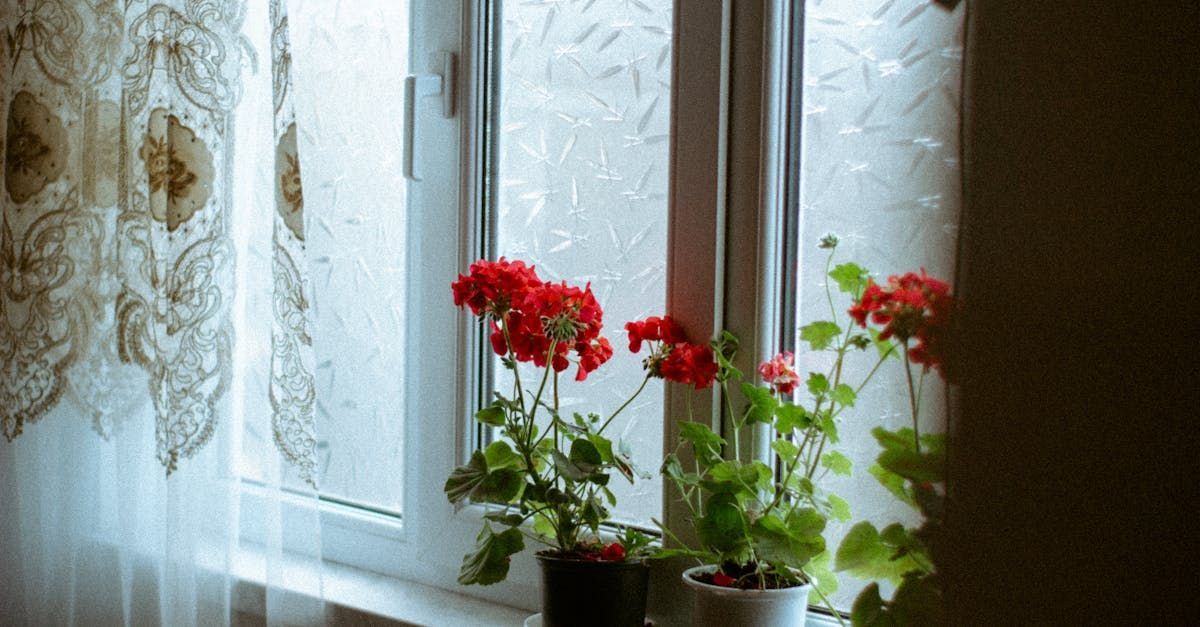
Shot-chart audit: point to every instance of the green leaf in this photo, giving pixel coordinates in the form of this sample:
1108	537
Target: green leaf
744	480
917	601
505	518
724	349
489	562
864	554
603	446
839	508
568	469
933	442
706	444
542	526
464	479
868	610
851	278
820	334
491	415
723	526
843	395
499	486
829	427
482	484
894	535
786	449
706	557
672	468
762	403
913	466
585	455
887	348
894	484
500	455
791	417
802	486
820	573
817	384
609	496
837	463
592	513
792	542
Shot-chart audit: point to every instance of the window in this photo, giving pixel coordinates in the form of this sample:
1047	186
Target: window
877	145
564	130
582	113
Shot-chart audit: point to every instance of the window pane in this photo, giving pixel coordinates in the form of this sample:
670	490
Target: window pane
879	168
583	117
349	145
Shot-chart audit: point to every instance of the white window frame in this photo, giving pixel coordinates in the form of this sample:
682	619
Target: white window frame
727	167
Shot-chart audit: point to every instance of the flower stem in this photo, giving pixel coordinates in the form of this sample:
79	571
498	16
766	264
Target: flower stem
625	404
512	354
912	398
828	605
828	294
737	425
541	388
879	363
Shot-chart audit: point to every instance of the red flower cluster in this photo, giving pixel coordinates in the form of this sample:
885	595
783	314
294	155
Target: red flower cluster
493	286
611	553
674	359
912	306
721	579
653	329
690	363
779	374
536	315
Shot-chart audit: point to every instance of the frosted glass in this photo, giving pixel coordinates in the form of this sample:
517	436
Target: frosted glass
584	103
346	70
880	169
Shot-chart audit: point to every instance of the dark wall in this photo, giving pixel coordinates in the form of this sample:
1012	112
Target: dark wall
1073	500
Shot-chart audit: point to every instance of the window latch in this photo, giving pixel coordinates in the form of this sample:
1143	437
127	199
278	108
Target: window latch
416	88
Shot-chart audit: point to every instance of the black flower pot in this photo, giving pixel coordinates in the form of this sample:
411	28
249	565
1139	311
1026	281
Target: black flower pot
583	593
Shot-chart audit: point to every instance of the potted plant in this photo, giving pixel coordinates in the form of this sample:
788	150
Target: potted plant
915	312
544	469
759	535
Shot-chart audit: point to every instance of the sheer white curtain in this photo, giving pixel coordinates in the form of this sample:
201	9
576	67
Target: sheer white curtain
154	318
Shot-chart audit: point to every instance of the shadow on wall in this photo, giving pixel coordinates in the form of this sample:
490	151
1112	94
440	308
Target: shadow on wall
1078	255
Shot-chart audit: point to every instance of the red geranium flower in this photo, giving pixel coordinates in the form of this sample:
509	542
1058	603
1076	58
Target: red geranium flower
689	363
592	356
652	329
779	374
721	579
911	307
494	286
673	357
613	553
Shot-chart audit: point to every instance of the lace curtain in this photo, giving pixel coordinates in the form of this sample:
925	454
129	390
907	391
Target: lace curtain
150	154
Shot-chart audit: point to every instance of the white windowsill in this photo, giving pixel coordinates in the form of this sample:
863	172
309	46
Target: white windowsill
404	602
345	587
411	602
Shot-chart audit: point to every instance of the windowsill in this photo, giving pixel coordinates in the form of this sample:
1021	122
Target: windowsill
353	593
347	589
410	602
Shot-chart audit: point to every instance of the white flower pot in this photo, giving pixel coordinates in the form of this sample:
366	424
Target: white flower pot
719	606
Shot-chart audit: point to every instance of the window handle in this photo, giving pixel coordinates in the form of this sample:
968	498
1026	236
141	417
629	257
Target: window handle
416	88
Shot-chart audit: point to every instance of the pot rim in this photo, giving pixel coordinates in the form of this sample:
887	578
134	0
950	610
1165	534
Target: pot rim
555	560
749	595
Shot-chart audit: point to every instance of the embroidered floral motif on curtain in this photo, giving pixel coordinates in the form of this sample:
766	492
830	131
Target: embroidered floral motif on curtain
116	257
